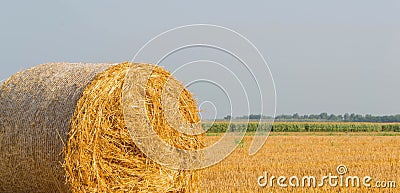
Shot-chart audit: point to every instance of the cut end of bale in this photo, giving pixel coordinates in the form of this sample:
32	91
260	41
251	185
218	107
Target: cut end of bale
100	153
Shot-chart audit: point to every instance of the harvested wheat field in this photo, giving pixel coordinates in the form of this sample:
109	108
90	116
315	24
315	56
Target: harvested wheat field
63	128
302	155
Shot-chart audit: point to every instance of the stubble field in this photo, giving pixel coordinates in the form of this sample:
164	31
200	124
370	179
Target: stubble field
295	155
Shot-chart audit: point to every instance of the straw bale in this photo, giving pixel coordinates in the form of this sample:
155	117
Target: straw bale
62	129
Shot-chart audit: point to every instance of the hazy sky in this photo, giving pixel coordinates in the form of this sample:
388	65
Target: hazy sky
325	56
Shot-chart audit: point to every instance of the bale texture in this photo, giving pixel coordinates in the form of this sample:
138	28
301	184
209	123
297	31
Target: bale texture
62	129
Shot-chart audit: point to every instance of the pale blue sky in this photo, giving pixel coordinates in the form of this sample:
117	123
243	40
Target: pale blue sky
325	56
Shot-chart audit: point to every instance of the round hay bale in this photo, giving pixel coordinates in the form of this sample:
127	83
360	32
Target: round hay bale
62	129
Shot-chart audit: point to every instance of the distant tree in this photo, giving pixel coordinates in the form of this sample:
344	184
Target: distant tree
352	117
346	117
228	117
323	116
254	116
332	117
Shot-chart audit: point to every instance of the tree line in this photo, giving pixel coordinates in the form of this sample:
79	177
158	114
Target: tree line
324	117
222	127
